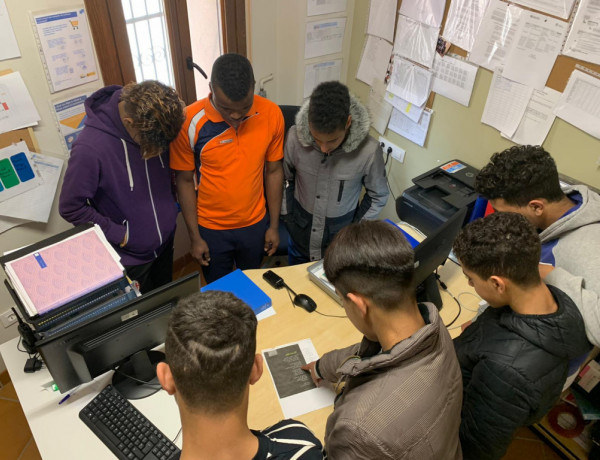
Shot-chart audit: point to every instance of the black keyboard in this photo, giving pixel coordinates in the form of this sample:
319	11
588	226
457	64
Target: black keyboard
124	429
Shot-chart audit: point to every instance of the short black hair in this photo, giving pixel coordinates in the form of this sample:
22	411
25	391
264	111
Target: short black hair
157	113
329	107
518	175
372	258
234	75
210	348
501	244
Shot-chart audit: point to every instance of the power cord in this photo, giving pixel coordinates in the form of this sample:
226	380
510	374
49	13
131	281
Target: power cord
389	170
150	384
445	288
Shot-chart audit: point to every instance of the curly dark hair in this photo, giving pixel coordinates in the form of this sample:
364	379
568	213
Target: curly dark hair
329	107
501	244
518	175
157	113
372	258
210	347
234	75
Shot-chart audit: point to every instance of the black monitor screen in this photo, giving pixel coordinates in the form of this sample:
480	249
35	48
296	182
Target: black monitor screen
433	252
120	339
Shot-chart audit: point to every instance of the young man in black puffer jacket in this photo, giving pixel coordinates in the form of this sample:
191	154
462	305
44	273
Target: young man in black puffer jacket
514	358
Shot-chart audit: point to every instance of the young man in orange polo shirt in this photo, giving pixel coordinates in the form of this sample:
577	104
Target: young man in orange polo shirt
219	157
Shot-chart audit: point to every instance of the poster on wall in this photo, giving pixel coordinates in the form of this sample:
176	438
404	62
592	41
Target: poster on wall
70	115
65	47
9	48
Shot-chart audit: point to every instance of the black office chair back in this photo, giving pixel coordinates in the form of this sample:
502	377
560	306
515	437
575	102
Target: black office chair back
289	116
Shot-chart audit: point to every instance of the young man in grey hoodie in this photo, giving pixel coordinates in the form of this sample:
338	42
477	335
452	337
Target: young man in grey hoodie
524	179
328	158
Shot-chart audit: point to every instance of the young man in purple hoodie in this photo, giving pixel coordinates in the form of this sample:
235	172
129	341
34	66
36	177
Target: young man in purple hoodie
118	176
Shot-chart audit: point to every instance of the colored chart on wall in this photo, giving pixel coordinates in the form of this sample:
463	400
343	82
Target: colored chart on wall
18	173
70	115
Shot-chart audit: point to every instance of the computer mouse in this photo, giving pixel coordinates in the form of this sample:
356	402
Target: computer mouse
303	301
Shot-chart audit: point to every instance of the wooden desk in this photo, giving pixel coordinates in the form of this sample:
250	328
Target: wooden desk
59	433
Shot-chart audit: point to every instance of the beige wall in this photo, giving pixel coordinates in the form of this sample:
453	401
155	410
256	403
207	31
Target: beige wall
32	71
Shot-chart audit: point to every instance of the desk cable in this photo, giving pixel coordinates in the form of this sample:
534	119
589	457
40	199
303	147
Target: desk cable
288	289
445	288
149	384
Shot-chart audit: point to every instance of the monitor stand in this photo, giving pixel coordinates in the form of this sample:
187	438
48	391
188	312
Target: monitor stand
428	291
142	367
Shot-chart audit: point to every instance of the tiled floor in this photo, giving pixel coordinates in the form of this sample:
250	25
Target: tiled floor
16	442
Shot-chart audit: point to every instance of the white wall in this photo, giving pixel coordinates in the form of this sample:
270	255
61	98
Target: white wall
32	71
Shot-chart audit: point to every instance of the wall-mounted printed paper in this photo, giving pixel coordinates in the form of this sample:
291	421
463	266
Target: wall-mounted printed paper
580	103
382	17
430	12
505	104
410	82
414	132
18	174
71	116
453	78
375	60
35	205
295	389
324	37
462	23
538	118
583	41
316	7
66	48
17	109
536	45
560	8
495	35
411	111
415	41
9	48
379	109
319	72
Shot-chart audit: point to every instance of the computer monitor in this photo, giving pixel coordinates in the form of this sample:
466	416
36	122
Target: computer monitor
433	252
122	339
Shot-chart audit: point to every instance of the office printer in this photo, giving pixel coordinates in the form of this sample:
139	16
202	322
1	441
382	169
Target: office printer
437	195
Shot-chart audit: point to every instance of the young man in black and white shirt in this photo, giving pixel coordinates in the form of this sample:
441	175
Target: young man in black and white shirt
211	362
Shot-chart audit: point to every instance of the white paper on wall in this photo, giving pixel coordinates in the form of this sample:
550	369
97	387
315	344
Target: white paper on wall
583	41
415	41
464	17
410	82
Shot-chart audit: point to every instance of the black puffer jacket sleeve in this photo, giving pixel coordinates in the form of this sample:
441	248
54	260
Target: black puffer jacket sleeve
496	402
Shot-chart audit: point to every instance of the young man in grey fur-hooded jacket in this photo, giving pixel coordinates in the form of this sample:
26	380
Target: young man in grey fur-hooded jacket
329	157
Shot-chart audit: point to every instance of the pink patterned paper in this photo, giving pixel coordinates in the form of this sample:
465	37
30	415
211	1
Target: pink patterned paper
74	268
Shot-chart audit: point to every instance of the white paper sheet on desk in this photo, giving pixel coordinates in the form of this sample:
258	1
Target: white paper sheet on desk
17	109
462	23
430	12
379	109
415	41
319	72
316	7
453	78
505	104
9	48
409	110
560	8
35	205
410	82
375	60
583	41
414	132
495	34
382	16
324	37
580	103
538	118
299	394
536	45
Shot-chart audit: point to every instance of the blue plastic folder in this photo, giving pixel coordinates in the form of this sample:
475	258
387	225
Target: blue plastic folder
413	242
243	288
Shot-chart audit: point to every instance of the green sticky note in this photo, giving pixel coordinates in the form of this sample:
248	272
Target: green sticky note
7	174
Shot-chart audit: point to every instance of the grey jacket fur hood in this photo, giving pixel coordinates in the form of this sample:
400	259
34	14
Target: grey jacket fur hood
359	129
